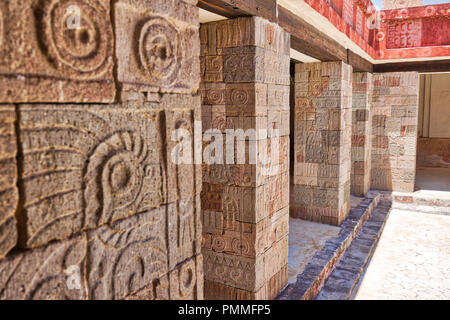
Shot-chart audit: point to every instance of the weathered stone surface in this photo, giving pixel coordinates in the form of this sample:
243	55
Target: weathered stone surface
218	291
184	233
245	92
245	273
127	256
361	133
157	46
233	270
46	57
186	281
56	271
132	257
8	179
322	159
181	165
394	125
84	166
102	201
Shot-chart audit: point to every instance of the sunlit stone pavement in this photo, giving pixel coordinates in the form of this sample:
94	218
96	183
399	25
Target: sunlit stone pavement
412	259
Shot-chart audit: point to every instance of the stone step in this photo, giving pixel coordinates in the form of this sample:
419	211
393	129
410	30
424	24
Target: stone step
320	267
343	282
437	202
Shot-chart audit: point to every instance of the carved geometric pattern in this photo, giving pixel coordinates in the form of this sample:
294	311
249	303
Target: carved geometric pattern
322	141
157	53
82	168
85	49
56	51
404	34
245	86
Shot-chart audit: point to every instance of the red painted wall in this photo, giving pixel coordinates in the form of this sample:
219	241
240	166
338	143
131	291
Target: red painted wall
415	32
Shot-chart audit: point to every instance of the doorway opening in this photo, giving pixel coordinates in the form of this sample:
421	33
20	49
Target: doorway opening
433	145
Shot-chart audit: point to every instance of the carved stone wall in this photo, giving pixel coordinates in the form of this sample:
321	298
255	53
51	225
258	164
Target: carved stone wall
323	125
92	202
398	4
245	85
395	108
361	133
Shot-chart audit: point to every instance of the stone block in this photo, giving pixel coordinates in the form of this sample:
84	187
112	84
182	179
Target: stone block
184	232
246	77
46	57
322	138
9	196
233	270
84	166
394	130
157	46
53	272
122	266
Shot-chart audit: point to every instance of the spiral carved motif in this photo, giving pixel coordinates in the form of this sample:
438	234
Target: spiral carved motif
240	246
239	96
218	244
215	96
159	51
114	178
78	37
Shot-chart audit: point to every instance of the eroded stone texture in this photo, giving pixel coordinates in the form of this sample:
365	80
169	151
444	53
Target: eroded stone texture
8	179
394	131
45	57
157	46
245	86
56	271
361	133
323	102
86	165
109	193
131	258
104	169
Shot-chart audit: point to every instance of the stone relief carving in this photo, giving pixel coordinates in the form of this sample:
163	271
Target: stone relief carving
9	195
89	164
85	49
159	50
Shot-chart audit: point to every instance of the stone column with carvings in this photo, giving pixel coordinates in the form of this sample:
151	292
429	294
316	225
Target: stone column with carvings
361	133
395	108
94	203
245	86
322	142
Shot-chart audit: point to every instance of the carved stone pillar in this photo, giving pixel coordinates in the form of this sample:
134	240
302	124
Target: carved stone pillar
323	102
361	133
395	108
245	86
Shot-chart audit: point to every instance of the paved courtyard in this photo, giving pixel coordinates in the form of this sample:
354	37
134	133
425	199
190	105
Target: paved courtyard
306	238
412	259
